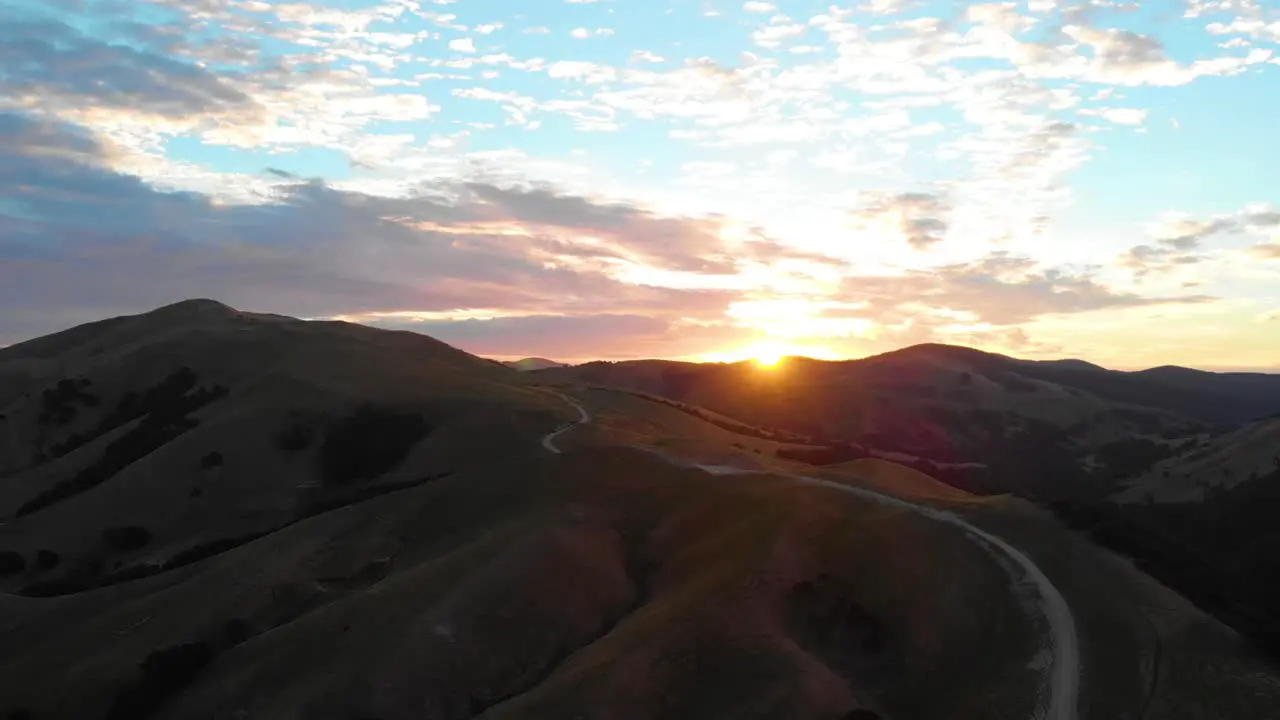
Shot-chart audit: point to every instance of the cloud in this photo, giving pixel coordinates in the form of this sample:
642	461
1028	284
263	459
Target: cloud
1146	259
52	64
584	33
1119	116
999	289
464	45
1266	251
918	218
755	6
75	236
1124	57
645	56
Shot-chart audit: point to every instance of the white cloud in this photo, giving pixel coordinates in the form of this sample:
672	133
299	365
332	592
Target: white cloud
645	56
466	45
584	33
756	6
1119	116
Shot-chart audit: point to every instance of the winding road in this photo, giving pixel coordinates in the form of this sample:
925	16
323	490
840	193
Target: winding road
1061	691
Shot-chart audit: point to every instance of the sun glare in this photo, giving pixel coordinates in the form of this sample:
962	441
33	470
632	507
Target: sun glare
767	355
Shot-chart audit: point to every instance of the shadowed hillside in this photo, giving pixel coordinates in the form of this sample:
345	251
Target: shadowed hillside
1044	429
216	514
196	426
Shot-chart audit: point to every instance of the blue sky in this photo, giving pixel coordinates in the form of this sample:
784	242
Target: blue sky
699	178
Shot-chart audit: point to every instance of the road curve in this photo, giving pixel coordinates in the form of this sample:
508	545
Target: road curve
584	417
1062	692
1061	696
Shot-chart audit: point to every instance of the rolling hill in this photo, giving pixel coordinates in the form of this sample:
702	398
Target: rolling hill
209	514
533	363
212	513
1043	429
126	443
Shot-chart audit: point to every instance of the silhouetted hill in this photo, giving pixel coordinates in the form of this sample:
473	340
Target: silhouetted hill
1044	429
206	513
196	423
213	513
533	363
1204	522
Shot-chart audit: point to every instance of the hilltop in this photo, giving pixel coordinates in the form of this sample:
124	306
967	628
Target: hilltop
129	442
534	363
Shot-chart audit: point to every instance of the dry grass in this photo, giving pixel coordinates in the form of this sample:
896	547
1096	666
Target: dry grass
603	582
1146	652
1224	461
280	372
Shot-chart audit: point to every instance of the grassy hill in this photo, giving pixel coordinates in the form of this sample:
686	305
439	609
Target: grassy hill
600	583
1203	521
1044	429
1207	465
533	363
129	442
206	513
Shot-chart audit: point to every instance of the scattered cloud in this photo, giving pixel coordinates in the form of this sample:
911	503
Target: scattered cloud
999	289
52	64
919	218
922	171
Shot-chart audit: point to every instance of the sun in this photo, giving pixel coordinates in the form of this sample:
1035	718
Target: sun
767	355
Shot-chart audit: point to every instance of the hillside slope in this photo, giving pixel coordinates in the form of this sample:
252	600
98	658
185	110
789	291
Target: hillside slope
1208	465
1045	429
128	442
533	363
600	583
215	514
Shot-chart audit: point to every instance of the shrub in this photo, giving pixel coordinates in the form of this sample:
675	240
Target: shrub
47	560
163	409
11	563
211	460
368	443
127	538
164	673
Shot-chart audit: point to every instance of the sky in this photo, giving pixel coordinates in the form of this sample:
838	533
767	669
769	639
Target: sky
700	179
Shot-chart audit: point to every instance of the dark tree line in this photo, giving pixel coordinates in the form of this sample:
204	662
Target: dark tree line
164	410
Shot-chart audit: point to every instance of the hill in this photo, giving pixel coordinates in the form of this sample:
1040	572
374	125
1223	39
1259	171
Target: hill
1044	429
533	363
197	499
218	514
130	442
600	583
1208	465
